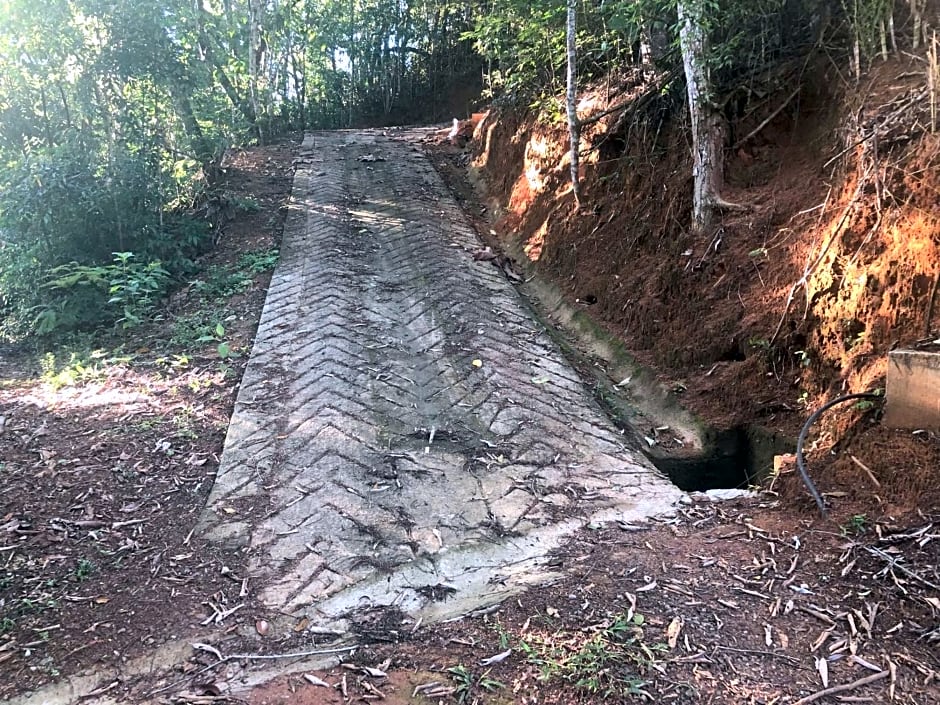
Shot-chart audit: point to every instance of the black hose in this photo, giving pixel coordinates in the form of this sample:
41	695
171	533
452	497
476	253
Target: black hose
800	463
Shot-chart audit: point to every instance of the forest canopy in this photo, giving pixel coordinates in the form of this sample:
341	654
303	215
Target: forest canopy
115	114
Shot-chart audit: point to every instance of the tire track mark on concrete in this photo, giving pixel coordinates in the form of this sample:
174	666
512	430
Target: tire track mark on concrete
403	419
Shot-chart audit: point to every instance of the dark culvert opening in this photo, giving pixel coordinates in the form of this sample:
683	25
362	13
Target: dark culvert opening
726	465
736	458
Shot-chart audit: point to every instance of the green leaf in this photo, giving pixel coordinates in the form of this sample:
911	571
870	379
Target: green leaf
219	330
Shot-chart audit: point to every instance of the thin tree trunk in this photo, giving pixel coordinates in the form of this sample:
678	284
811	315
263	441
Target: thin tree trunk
255	56
197	139
352	59
47	126
574	129
65	106
707	124
916	13
208	51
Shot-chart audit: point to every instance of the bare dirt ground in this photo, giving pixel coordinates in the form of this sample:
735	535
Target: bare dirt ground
106	459
722	604
756	602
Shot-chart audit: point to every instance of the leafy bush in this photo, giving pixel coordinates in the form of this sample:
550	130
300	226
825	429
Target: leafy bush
220	282
20	298
259	261
71	217
125	291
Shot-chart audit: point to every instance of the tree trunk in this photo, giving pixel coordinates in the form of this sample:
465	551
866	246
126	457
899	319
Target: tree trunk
574	129
203	148
917	15
255	56
707	123
352	60
206	41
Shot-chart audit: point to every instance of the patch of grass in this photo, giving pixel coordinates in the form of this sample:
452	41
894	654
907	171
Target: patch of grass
7	625
219	283
259	261
609	660
84	570
466	684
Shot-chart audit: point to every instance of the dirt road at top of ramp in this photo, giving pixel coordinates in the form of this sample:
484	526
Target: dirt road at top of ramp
407	438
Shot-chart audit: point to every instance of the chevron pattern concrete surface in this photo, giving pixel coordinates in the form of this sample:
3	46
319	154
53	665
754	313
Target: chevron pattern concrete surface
405	429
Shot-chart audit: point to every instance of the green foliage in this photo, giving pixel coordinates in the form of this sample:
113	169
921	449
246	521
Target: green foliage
524	42
245	205
62	217
200	328
135	288
466	684
84	569
79	366
220	282
128	288
6	625
259	261
21	301
868	23
195	329
869	404
610	662
856	525
101	150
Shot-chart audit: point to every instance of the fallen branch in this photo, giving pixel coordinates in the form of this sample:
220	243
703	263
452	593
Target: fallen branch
267	657
721	204
101	691
766	120
809	269
893	563
871	475
198	646
842	688
773	654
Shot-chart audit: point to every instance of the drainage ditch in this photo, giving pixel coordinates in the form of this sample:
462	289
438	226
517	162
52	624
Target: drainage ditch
739	457
734	458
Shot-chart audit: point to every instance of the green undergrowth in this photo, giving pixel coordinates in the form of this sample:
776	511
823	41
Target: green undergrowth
609	660
74	358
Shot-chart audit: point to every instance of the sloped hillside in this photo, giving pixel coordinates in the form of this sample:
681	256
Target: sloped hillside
786	304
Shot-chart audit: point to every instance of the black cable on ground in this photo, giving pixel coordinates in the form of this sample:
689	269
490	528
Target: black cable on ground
800	463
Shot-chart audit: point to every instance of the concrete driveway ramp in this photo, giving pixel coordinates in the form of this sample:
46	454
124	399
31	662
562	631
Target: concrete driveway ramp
406	435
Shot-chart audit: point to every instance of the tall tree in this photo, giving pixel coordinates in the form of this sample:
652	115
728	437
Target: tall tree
571	99
708	127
